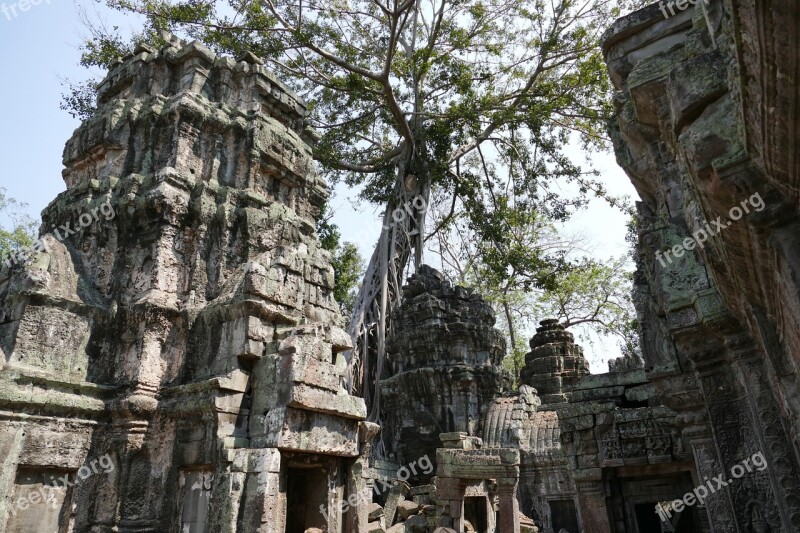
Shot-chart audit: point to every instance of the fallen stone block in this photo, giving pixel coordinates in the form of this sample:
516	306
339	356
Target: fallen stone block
407	508
396	495
416	524
374	512
375	527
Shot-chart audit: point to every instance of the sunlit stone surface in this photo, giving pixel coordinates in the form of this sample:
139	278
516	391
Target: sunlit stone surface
174	362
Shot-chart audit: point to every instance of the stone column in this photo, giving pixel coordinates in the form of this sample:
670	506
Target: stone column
228	492
592	499
782	475
264	504
357	518
509	506
735	433
457	514
335	495
10	445
449	502
721	516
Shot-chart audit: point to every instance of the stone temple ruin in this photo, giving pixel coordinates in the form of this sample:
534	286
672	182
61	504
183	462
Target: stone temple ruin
177	367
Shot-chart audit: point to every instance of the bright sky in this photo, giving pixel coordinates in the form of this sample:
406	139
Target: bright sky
39	48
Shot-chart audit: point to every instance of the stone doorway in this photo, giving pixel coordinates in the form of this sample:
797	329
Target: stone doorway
476	513
634	498
564	515
306	499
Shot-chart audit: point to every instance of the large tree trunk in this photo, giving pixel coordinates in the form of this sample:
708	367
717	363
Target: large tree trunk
380	292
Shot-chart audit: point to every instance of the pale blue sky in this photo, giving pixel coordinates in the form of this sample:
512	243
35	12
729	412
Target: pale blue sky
40	47
37	49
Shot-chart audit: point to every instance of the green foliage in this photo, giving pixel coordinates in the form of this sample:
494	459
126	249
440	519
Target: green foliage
102	49
592	292
79	100
348	266
632	231
476	98
461	84
583	293
590	297
328	232
19	229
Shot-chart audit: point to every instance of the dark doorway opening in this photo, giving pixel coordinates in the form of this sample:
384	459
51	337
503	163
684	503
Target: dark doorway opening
475	513
306	499
647	518
564	515
689	521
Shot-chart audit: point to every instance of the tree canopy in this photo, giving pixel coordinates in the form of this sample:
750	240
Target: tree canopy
473	100
577	288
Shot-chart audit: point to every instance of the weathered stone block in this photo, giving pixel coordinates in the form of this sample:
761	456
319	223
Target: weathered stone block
406	509
374	512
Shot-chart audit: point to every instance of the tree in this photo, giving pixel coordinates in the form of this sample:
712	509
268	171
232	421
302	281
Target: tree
597	294
409	96
349	268
19	232
576	289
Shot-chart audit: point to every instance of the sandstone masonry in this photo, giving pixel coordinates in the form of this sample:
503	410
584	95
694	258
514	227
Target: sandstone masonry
193	338
191	345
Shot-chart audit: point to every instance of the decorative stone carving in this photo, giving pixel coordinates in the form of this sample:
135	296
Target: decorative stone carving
188	331
445	366
555	363
186	338
703	112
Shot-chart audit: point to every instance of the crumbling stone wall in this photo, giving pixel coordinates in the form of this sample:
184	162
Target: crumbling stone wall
191	336
173	354
706	119
587	440
582	455
445	357
555	363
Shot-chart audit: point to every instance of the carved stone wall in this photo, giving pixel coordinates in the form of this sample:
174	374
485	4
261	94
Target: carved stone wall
445	358
173	354
595	446
706	127
186	331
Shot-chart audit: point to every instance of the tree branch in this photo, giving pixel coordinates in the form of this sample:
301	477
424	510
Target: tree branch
355	69
371	166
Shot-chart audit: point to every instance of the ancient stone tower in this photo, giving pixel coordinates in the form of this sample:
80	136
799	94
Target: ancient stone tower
184	348
445	358
555	363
